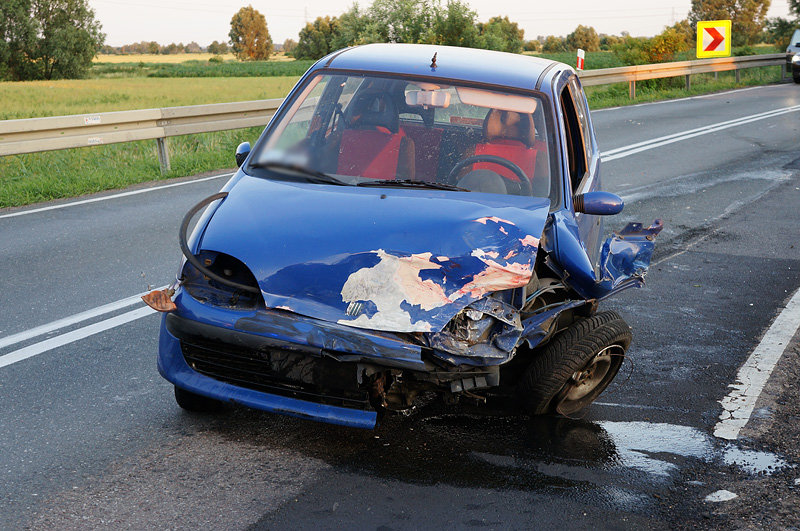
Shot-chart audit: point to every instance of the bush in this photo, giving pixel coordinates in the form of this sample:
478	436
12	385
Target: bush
215	59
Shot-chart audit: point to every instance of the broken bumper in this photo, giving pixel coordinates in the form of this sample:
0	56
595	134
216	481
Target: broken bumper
222	356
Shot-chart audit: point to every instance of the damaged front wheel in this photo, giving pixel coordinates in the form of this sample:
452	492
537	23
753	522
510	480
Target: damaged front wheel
576	366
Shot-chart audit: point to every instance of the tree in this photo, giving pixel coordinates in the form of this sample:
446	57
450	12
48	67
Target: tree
553	44
193	47
399	21
532	46
47	39
218	48
779	31
250	38
352	28
607	42
747	16
289	45
499	33
455	25
585	38
315	39
663	47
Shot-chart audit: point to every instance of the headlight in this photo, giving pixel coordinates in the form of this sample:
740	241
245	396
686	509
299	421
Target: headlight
795	59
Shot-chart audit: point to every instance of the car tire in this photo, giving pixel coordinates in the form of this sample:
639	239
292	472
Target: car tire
196	403
575	366
796	77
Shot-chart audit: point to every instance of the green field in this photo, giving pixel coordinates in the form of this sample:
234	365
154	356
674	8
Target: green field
26	179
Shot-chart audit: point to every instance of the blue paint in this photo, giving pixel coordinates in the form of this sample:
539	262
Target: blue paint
602	203
302	251
173	367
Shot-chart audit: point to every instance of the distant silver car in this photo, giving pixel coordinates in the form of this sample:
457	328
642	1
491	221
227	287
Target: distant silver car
793	56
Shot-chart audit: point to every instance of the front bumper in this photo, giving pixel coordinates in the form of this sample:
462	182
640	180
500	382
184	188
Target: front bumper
264	330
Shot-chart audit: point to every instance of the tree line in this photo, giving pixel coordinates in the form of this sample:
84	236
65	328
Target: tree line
49	39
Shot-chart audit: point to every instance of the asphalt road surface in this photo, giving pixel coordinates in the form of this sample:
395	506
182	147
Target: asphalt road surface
90	435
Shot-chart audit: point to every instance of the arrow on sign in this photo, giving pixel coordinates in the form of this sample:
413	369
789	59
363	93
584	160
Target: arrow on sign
718	38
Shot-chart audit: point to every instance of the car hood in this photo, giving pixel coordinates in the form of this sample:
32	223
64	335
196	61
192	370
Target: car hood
393	259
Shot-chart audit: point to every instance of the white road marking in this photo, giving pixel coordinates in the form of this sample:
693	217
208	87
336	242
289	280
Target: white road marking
753	375
75	335
113	196
653	143
71	320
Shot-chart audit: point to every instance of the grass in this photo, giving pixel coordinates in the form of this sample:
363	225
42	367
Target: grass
36	177
204	69
30	99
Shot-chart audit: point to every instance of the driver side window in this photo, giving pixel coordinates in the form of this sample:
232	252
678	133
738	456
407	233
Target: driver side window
576	153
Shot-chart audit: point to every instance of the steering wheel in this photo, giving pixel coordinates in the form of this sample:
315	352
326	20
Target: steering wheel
525	184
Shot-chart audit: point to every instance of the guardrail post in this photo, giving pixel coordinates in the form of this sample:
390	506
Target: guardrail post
632	89
688	82
738	74
783	71
163	154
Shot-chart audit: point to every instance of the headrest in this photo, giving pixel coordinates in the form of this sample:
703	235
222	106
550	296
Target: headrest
373	109
509	125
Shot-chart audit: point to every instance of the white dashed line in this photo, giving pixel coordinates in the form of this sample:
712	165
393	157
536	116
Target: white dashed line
76	335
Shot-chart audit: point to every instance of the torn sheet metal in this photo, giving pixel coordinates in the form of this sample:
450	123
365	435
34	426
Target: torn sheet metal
624	257
383	260
485	333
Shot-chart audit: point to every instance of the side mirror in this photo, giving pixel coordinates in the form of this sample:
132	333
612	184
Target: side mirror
598	203
241	152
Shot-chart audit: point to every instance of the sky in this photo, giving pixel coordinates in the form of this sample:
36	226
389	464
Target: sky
203	21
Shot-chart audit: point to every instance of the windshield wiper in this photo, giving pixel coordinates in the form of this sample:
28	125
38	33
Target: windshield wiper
414	184
312	176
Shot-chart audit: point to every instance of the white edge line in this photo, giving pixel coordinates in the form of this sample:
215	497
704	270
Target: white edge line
71	320
754	374
113	196
76	335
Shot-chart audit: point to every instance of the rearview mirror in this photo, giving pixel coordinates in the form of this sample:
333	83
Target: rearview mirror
598	203
241	152
428	98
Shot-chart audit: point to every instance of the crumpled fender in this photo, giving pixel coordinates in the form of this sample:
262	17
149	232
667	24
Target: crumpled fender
624	257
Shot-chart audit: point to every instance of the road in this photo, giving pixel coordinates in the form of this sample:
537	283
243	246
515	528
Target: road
90	435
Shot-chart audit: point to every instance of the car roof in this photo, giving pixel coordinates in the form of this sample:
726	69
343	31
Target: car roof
452	63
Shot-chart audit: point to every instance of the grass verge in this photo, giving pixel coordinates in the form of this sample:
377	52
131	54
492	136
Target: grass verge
37	177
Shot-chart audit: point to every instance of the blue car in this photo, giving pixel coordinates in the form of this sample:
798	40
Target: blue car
415	223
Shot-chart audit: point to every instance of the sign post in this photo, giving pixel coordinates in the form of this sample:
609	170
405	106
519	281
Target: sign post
713	38
581	56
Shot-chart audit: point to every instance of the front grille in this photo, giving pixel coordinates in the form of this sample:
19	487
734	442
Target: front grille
279	372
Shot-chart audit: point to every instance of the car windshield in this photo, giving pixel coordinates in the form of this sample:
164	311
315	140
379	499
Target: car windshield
387	131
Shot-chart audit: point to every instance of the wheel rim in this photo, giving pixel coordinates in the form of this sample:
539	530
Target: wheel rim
585	384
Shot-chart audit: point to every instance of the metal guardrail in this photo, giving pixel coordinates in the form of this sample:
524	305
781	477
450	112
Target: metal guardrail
64	132
632	74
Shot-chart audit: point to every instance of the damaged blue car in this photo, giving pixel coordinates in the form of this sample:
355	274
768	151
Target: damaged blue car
415	222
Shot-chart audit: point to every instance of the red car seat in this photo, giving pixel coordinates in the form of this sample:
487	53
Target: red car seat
512	136
372	143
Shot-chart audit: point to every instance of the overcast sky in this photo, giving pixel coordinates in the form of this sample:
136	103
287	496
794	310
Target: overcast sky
167	21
